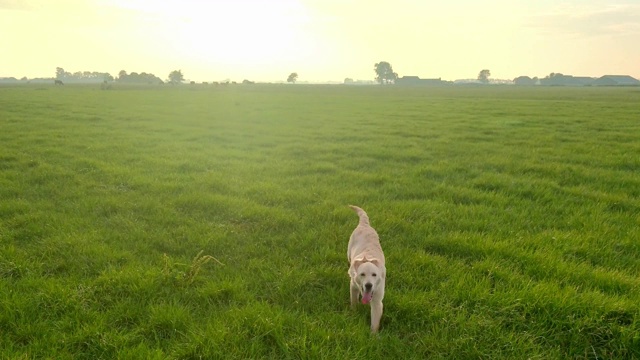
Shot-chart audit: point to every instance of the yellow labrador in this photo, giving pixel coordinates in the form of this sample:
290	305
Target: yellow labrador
367	269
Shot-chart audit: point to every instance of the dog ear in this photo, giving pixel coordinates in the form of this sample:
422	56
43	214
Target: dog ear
377	263
353	270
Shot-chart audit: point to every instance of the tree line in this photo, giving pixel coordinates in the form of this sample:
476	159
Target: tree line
383	71
175	77
82	76
386	75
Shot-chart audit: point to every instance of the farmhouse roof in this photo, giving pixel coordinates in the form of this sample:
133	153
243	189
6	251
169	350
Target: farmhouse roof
616	80
415	80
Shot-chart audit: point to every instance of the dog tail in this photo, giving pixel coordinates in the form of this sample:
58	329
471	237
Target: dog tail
364	218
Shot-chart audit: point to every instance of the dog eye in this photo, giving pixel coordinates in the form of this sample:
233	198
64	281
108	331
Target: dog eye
362	274
374	274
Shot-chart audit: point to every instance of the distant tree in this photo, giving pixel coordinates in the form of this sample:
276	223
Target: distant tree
554	75
293	77
348	81
556	79
247	82
85	77
134	77
8	79
176	77
60	73
384	73
483	76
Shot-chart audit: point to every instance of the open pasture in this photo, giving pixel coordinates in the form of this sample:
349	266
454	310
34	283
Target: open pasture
509	218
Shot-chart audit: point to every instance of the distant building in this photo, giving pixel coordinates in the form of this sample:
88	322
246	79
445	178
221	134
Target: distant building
566	80
416	81
466	82
525	80
616	80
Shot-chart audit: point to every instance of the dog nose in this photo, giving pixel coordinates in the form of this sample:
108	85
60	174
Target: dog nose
368	286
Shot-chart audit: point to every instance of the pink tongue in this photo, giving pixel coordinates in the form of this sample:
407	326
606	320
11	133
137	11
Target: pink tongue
366	297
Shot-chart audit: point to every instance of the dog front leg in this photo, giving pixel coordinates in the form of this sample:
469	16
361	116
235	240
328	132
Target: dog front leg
376	315
355	293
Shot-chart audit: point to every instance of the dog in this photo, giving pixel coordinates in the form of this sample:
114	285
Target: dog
366	267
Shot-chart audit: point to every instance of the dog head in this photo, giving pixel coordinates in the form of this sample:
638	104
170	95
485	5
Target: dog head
367	275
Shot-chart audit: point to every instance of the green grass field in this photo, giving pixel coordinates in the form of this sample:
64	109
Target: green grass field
509	218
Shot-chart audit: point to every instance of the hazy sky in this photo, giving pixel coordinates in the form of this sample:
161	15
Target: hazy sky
265	40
